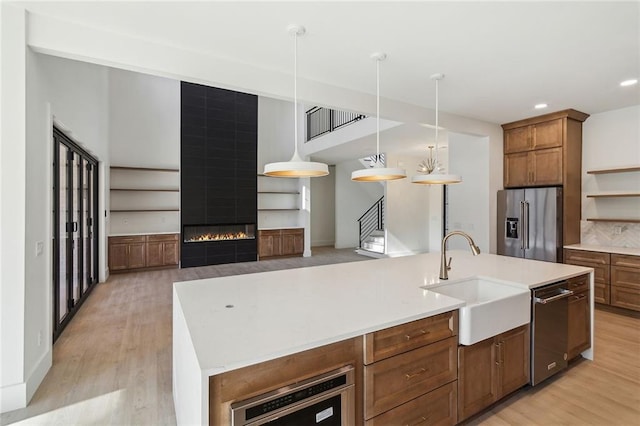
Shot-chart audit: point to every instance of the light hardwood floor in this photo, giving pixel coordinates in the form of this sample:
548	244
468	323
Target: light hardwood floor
112	365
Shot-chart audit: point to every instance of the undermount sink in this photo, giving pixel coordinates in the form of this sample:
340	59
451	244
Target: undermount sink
491	307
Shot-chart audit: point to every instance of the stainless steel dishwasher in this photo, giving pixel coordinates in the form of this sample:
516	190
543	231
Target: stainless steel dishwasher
326	400
549	328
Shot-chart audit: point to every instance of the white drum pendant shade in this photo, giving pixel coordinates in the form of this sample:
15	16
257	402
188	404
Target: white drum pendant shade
435	177
296	167
378	172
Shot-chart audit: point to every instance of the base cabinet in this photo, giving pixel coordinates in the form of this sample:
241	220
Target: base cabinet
280	243
143	251
410	373
600	262
579	317
492	369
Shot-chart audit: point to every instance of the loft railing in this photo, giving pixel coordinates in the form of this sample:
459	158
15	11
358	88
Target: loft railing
324	120
371	220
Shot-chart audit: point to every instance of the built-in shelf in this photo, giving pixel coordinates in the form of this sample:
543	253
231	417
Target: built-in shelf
613	220
276	210
141	189
145	210
279	192
614	194
624	169
146	169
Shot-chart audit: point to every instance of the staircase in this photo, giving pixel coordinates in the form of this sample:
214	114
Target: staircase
372	233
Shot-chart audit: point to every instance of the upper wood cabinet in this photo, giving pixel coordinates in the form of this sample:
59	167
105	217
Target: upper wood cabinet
544	150
547	134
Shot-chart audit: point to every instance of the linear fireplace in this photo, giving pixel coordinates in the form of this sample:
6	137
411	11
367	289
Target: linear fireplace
205	233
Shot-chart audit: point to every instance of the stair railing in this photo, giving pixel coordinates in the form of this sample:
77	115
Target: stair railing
324	120
371	220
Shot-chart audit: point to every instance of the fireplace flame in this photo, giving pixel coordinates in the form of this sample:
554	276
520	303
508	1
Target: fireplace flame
219	236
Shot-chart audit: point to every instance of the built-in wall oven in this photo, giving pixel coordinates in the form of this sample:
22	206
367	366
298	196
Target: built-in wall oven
325	400
549	328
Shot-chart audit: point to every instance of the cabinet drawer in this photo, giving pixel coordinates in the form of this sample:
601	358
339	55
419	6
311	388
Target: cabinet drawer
396	340
162	237
438	407
584	256
625	260
128	239
394	381
579	284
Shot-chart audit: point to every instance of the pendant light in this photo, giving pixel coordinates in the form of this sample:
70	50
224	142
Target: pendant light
378	172
435	177
296	167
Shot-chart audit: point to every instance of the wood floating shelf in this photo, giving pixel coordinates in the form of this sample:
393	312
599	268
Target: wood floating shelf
141	189
614	194
278	192
148	169
613	220
144	210
614	170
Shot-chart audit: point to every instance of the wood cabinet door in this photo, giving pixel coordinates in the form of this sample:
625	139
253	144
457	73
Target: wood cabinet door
269	243
517	140
516	170
170	253
118	256
579	332
137	255
292	242
477	370
546	166
513	360
155	254
625	287
548	134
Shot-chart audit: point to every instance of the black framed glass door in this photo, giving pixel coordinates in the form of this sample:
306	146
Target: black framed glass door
75	233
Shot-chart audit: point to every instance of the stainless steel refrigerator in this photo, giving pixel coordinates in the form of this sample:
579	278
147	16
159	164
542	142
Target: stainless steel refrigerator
530	223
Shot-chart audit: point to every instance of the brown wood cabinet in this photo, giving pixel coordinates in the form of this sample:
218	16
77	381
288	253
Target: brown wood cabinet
625	281
579	316
547	151
408	363
600	263
280	243
492	369
143	251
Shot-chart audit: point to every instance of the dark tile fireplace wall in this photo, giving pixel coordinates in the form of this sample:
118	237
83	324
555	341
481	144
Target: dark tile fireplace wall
218	163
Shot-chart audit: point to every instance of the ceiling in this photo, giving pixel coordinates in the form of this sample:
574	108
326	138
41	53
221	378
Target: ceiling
499	58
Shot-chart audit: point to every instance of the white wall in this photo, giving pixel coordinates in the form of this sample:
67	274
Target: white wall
611	139
144	120
13	393
470	200
406	211
323	214
352	200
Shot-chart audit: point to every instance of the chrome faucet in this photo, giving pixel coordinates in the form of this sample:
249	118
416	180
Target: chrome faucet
444	266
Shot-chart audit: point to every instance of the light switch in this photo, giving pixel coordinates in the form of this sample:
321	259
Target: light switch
39	247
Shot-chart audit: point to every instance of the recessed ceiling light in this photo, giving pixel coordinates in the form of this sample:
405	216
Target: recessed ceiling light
540	106
630	82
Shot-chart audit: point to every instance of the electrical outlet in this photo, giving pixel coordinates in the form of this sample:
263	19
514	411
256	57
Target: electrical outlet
617	230
40	338
39	247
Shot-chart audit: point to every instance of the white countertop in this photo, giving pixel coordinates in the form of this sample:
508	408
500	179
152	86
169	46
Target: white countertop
605	249
280	313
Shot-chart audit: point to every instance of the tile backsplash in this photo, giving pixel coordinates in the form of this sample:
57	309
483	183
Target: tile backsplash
613	234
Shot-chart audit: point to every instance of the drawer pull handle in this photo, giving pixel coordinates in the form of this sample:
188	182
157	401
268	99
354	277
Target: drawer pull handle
586	259
418	334
410	376
421	420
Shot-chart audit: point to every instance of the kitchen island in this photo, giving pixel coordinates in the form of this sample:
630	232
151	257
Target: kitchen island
226	324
